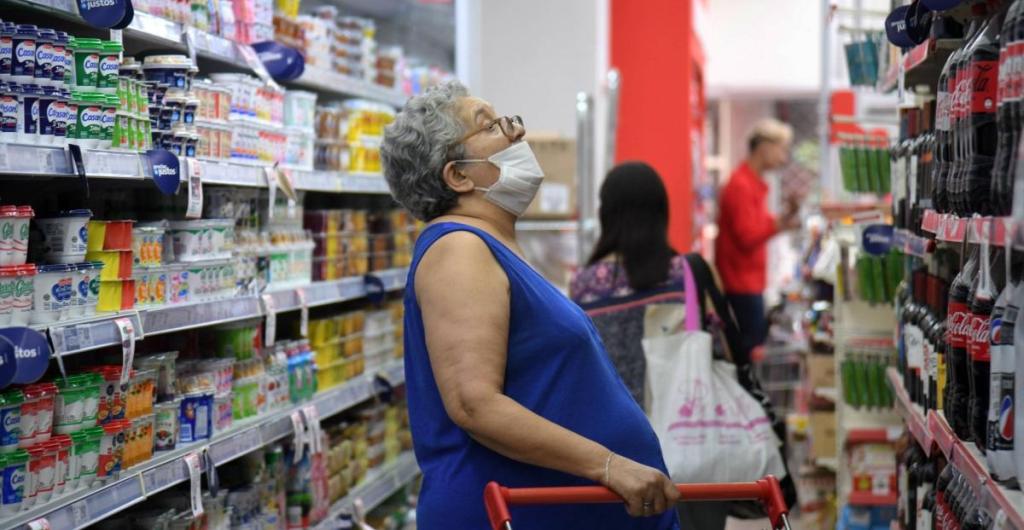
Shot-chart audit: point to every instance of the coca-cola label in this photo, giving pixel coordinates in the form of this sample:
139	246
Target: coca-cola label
983	84
977	343
951	85
1002	87
958	324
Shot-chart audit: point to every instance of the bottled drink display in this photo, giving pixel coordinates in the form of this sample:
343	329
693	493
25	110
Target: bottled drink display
1000	445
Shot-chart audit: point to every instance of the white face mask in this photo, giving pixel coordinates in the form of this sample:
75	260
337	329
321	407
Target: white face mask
520	178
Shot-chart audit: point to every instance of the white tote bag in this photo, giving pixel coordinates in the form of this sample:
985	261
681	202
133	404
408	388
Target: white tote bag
710	429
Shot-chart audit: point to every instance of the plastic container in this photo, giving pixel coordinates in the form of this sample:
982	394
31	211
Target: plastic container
116	295
37	414
10	420
15	481
89	125
86	280
112	399
110	235
28	120
65	237
166	377
44	57
14	234
88	455
61	55
112	448
117	264
69	405
42	470
51	293
141	394
91	385
23	46
86	71
222	413
300	109
139	447
6	50
62	444
108	121
170	70
166	425
188	116
110	63
195	418
148	245
8	282
8	112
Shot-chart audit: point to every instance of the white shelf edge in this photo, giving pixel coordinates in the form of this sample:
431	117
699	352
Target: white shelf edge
375	488
246	436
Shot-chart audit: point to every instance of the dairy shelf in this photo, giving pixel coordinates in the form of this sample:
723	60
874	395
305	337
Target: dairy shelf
53	161
83	508
76	336
156	31
933	433
378	485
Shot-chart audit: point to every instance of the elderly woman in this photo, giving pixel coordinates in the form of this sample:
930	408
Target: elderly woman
507	378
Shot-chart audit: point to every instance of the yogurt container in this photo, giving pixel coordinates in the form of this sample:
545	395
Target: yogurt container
112	399
24	288
92	385
69	405
61	58
8	282
195	418
123	137
86	54
28	110
14	232
53	116
188	113
89	125
44	57
23	65
173	106
6	50
112	448
8	112
14	481
42	471
65	237
165	436
222	413
110	63
108	121
10	419
51	293
78	439
37	414
88	456
171	70
63	447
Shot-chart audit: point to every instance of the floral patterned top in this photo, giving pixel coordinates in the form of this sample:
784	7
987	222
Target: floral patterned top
607	279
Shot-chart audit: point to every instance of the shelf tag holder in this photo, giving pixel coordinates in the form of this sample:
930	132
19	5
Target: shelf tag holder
58	350
212	478
195	189
270	311
271	175
194	466
40	524
313	427
298	436
126	329
300	293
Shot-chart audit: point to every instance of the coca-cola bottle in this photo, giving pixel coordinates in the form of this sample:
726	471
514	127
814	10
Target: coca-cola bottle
985	291
957	329
1004	115
943	137
1000	445
983	69
958	110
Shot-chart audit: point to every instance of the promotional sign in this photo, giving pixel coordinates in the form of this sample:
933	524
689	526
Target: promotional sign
24	354
877	239
281	62
166	170
896	27
106	14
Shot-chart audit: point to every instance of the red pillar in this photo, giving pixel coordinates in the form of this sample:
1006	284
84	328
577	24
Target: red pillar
654	49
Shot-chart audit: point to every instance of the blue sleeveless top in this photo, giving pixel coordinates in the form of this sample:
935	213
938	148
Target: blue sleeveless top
557	368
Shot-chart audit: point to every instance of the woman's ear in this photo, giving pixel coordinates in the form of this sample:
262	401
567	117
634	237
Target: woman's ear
455	179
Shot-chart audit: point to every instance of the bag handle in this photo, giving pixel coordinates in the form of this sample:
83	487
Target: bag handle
709	289
694	316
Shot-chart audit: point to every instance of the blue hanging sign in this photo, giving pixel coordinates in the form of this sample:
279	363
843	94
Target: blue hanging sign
166	170
877	239
896	28
104	14
29	351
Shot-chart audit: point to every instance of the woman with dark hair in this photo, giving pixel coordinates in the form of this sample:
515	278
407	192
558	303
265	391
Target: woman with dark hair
633	253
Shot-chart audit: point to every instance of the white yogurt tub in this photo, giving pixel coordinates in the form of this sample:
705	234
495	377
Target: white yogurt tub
65	237
52	296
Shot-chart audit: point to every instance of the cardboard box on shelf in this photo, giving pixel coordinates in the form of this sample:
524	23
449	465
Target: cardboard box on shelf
557	196
821	371
823	434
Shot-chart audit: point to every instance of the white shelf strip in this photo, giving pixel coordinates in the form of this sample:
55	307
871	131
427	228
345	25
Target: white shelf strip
378	485
73	337
83	508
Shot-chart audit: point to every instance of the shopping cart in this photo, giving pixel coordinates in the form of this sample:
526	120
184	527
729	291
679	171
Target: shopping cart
498	498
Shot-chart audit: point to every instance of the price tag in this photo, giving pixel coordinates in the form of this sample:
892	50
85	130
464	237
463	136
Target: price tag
195	189
57	339
298	436
303	312
80	513
212	479
40	524
117	36
270	328
126	329
271	177
194	470
316	444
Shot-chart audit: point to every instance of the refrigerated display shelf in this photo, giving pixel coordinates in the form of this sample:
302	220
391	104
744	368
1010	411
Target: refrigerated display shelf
160	32
54	161
83	508
378	485
76	336
936	434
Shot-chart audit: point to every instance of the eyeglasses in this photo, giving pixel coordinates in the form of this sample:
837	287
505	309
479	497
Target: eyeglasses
510	126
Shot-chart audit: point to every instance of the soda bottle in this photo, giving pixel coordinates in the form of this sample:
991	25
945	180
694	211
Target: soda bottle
957	327
982	138
1003	113
986	289
943	137
1002	178
1000	446
962	111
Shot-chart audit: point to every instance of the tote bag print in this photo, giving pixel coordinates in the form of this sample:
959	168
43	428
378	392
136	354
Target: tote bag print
710	429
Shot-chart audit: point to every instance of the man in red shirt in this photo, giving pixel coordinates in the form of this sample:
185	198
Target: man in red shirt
745	226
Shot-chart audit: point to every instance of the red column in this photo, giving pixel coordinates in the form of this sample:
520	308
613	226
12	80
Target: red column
651	45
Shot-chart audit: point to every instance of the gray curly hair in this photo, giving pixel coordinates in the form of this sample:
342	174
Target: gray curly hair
416	147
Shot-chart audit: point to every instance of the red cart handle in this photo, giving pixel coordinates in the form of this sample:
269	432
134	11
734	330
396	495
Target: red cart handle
498	498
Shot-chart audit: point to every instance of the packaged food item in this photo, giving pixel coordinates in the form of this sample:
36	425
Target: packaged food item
10	419
89	456
52	293
195	420
111	448
109	67
14	481
62	446
69	405
42	470
166	425
148	244
14	233
37	414
116	295
164	364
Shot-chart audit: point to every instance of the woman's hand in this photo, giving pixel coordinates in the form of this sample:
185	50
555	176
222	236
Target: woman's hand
646	490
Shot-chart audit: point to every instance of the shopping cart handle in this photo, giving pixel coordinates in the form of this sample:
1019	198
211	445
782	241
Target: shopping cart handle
498	498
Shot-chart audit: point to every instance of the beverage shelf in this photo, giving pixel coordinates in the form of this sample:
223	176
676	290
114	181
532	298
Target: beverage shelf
1001	502
921	65
34	161
83	508
378	485
152	31
76	336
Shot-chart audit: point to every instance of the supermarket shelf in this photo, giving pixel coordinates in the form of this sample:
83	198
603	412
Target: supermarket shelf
53	161
88	507
378	485
866	498
76	336
332	82
921	65
932	432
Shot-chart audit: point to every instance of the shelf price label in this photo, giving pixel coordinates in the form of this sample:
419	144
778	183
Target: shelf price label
300	293
298	435
270	327
40	524
194	466
126	329
195	189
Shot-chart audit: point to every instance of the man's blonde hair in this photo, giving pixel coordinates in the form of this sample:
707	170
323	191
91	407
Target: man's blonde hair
769	130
